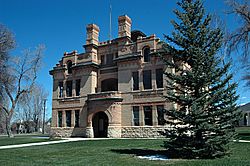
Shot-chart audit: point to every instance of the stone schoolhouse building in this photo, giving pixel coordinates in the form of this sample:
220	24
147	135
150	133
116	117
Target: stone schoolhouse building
114	89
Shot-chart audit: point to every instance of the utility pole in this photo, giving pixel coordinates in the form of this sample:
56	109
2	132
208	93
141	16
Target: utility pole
44	106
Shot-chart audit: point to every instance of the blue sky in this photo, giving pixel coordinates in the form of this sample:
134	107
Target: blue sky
61	26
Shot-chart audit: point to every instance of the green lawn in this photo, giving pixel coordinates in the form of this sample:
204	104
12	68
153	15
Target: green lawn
21	139
243	133
111	152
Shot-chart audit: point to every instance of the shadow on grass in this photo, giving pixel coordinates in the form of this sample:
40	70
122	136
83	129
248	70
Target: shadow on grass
139	152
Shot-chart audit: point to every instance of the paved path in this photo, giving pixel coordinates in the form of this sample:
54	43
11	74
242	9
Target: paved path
72	140
49	142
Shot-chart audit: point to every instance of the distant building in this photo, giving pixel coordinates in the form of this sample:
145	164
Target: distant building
114	89
245	120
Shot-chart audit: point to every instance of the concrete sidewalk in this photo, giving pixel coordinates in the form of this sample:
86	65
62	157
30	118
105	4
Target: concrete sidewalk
76	139
49	142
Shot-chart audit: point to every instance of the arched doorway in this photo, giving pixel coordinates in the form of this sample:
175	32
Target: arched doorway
100	125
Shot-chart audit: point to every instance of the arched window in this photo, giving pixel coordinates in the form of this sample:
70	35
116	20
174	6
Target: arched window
146	56
69	67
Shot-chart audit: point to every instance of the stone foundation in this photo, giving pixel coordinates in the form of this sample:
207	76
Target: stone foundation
142	132
89	132
114	131
66	132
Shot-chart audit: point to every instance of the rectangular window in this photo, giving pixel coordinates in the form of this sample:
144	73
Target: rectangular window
59	119
136	115
69	88
160	115
135	78
159	78
78	87
102	60
109	59
148	115
77	116
68	118
147	79
60	86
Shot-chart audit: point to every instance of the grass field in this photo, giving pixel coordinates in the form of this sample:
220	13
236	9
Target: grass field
111	152
21	139
243	133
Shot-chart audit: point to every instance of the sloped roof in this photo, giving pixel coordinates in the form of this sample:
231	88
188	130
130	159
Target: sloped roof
245	108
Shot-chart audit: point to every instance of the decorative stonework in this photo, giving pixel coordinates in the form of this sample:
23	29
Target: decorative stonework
114	132
142	132
66	132
89	132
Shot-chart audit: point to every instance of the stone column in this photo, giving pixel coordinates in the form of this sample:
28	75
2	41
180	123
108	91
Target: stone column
64	89
153	79
154	115
89	130
114	127
63	119
73	87
72	118
141	116
140	79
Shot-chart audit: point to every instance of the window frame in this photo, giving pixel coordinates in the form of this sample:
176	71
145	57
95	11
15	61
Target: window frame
159	83
137	85
61	89
160	117
146	55
69	92
148	121
78	87
68	118
69	66
77	118
59	118
147	82
135	120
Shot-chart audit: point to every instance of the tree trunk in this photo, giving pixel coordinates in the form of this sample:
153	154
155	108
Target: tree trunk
8	127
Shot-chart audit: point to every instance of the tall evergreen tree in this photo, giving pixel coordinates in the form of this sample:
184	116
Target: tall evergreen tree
203	120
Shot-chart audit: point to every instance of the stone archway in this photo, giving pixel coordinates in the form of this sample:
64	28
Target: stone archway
100	123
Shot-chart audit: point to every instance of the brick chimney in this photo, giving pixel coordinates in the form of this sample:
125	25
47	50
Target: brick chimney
124	25
92	34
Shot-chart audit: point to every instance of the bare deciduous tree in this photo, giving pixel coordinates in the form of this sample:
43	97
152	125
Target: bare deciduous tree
7	43
240	37
31	107
21	77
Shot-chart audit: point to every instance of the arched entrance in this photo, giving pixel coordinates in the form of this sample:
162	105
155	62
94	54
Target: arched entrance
100	125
